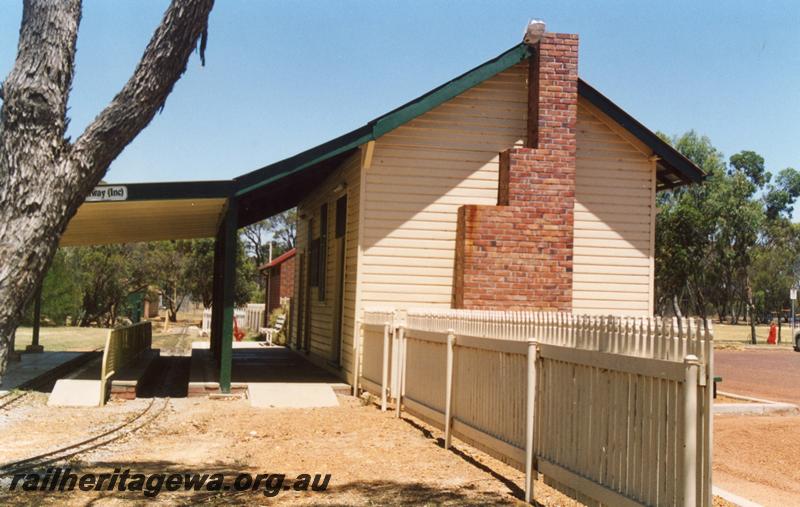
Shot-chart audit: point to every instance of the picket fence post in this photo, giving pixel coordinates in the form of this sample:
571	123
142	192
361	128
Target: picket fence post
357	360
385	369
692	364
530	413
401	368
448	403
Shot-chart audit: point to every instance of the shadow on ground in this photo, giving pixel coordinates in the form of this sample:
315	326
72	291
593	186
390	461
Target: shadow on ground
512	486
376	492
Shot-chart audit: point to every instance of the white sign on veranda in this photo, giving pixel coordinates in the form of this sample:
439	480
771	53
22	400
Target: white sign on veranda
108	193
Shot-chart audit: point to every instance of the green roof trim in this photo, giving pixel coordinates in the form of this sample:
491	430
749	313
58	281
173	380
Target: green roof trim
450	90
671	160
383	124
279	170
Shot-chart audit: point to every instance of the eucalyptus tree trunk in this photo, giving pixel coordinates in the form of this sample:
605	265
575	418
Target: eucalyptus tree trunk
44	177
676	307
751	307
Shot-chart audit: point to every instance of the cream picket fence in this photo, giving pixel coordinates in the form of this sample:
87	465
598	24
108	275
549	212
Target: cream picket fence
611	410
250	317
253	318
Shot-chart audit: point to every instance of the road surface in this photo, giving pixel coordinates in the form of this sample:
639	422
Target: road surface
769	374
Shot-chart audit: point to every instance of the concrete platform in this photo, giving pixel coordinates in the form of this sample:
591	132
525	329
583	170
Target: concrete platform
256	362
75	393
291	395
32	366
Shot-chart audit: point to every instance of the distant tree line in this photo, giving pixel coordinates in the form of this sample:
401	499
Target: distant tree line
92	285
727	248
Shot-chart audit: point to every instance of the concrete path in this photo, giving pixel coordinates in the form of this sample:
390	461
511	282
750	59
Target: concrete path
31	366
291	395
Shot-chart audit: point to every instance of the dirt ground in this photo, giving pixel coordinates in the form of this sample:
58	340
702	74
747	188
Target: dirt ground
373	458
758	457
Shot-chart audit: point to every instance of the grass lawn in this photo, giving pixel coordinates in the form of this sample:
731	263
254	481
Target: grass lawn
741	333
63	338
67	338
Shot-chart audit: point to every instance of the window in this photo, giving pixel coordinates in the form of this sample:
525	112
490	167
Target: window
341	216
322	251
313	263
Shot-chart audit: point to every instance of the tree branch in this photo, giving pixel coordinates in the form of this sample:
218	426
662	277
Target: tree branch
36	90
145	93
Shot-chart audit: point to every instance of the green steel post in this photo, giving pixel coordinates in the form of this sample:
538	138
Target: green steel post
37	317
216	294
228	283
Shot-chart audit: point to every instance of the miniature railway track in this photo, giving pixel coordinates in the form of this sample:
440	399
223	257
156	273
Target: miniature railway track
170	380
10	398
140	420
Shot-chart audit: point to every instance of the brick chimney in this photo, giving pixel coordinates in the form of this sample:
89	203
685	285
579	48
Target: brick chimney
518	254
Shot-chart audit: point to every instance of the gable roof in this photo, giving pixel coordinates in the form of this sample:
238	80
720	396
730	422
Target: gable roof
296	174
384	123
677	169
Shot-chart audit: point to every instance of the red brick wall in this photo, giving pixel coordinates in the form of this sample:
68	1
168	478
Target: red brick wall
280	283
518	255
287	277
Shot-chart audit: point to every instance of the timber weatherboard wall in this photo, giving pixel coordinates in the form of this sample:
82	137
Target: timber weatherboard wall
614	219
321	319
421	173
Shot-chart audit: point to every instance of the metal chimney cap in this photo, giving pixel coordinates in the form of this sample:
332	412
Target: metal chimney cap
534	32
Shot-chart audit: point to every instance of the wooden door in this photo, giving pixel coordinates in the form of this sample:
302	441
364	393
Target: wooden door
341	255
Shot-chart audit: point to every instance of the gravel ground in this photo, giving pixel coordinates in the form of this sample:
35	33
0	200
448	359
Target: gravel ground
373	458
758	458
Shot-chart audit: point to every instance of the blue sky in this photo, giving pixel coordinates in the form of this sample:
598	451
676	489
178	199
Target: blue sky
282	76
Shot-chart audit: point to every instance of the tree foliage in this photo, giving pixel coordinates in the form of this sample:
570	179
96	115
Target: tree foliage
726	246
279	230
90	285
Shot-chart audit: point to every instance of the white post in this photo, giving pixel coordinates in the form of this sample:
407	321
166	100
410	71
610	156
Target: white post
448	404
530	412
385	370
792	331
692	365
401	370
709	414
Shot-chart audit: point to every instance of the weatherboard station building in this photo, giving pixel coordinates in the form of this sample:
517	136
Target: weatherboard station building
499	189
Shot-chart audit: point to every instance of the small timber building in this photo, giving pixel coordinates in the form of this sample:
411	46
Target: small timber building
513	186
